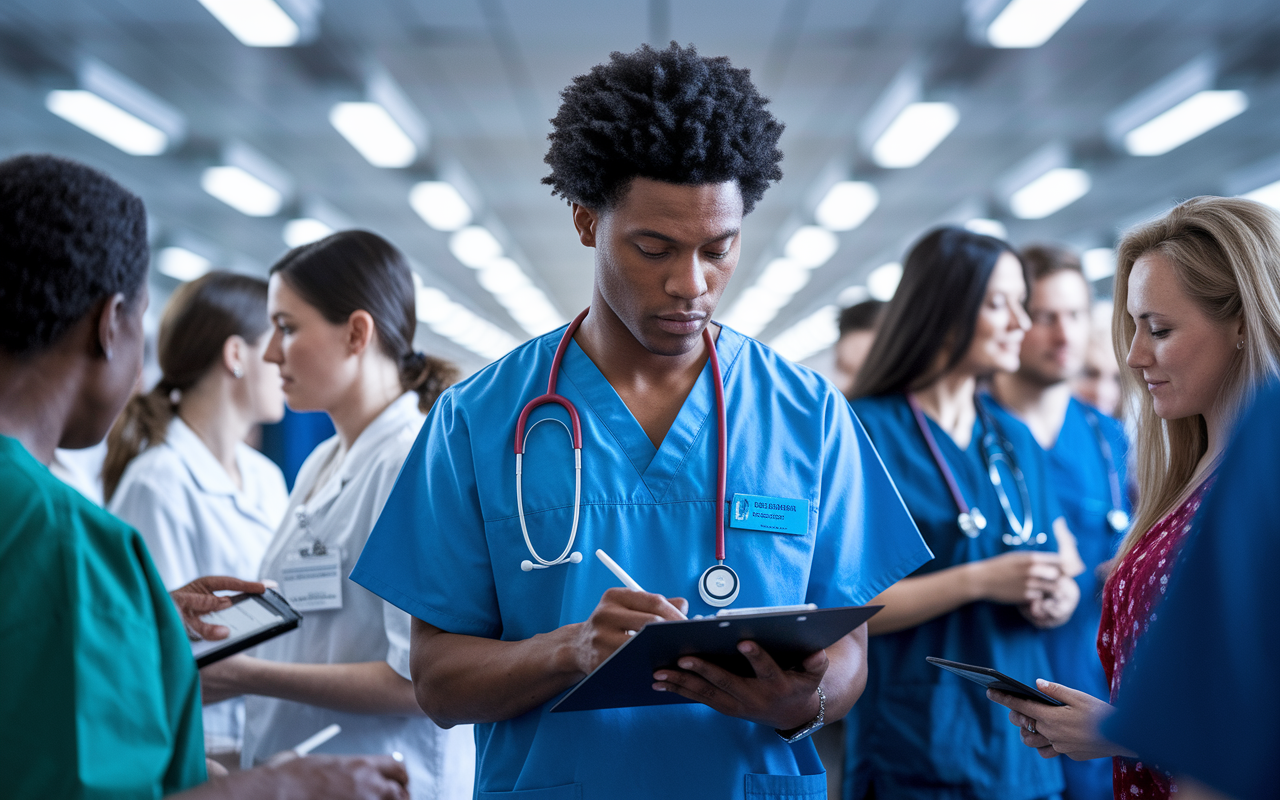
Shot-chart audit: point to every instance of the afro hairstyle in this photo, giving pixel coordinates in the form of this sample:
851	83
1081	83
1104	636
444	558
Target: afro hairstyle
69	237
668	115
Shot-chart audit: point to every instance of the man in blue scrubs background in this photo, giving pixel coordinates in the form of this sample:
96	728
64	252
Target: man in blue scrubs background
660	155
1086	450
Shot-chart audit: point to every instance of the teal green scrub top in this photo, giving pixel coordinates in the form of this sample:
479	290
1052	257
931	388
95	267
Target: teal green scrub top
100	697
920	733
448	548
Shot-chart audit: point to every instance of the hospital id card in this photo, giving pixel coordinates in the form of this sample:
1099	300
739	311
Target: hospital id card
774	514
313	582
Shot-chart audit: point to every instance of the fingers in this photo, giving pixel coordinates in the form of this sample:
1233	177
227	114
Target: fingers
196	603
208	632
646	602
225	583
392	770
1027	708
215	769
681	605
1036	740
766	669
283	757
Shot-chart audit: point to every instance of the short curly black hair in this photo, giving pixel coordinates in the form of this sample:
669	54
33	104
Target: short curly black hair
69	236
670	115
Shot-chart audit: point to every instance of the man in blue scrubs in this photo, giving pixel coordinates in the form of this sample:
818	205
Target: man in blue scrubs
1204	696
660	155
1086	451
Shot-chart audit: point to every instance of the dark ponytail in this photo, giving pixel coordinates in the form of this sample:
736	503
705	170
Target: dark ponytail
198	319
353	271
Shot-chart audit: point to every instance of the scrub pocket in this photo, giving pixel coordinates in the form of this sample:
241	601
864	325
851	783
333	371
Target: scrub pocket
787	787
572	791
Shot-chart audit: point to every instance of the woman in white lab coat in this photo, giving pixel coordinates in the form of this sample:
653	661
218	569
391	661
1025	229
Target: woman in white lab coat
177	467
344	315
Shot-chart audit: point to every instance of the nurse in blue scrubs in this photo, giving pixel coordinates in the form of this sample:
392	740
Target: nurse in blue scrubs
979	489
660	154
1086	451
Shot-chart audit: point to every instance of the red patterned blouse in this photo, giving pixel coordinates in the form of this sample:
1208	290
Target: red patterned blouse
1129	603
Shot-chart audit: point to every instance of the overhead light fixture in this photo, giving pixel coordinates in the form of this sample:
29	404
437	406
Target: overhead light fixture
305	230
811	246
754	309
1028	23
1198	114
809	336
118	111
882	282
783	277
474	246
1098	263
384	127
461	325
1050	193
526	303
264	23
181	264
247	182
914	134
1267	195
988	227
847	205
440	205
852	295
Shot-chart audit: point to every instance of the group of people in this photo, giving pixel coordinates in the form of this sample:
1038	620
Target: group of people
955	481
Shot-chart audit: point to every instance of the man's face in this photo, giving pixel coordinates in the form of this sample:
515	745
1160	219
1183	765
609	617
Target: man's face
1054	347
664	255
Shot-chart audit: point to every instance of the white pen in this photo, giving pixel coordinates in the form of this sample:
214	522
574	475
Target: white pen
318	739
626	579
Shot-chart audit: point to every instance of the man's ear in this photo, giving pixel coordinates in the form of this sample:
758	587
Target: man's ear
587	222
360	331
111	320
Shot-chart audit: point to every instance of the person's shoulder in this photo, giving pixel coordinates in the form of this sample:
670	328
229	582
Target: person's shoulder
1111	427
263	467
791	386
1013	429
159	468
877	406
493	387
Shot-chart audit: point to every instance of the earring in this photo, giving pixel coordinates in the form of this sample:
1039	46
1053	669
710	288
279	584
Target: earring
1240	344
237	372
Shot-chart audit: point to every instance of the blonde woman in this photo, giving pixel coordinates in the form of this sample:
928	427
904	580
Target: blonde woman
1197	321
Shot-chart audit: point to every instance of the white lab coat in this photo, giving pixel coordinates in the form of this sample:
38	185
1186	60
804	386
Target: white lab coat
341	513
195	522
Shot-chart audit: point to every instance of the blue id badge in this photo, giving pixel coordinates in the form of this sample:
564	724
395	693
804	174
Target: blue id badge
774	514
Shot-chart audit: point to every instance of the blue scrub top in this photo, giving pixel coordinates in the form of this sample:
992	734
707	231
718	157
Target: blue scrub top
448	548
1080	474
920	732
1203	698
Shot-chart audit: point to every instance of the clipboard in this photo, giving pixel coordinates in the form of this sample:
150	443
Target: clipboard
625	679
253	619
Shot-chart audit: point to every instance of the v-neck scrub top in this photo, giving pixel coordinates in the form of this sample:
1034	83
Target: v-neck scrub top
339	514
100	693
920	732
448	548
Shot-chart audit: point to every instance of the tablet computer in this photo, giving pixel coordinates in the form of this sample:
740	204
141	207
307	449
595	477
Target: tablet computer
790	635
992	679
252	619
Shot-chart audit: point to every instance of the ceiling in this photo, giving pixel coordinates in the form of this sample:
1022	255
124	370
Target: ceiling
485	74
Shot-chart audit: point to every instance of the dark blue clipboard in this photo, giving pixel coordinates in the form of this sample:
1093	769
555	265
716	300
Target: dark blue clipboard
625	679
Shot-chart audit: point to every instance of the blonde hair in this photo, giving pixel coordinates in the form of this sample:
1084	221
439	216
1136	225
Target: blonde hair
1225	253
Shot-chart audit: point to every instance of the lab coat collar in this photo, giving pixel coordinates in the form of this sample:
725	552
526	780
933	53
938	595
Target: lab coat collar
403	411
209	474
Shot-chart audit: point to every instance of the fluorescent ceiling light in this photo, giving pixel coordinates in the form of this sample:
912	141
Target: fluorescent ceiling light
181	263
108	122
811	246
783	277
502	277
883	281
304	230
1267	195
256	23
811	335
1098	263
913	134
1030	23
852	295
474	246
1049	193
1199	113
459	324
847	205
988	227
440	205
242	191
374	134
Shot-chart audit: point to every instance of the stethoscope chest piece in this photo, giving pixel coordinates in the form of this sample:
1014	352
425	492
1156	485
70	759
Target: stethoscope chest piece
972	522
718	586
1118	520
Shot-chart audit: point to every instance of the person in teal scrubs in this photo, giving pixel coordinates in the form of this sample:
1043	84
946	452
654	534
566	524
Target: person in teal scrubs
1087	458
661	154
100	694
998	579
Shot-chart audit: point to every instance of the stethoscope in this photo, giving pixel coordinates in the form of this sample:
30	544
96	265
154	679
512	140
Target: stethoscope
719	584
996	450
1116	517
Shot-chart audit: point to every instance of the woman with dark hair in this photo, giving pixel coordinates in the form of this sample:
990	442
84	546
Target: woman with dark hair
977	492
343	309
177	467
